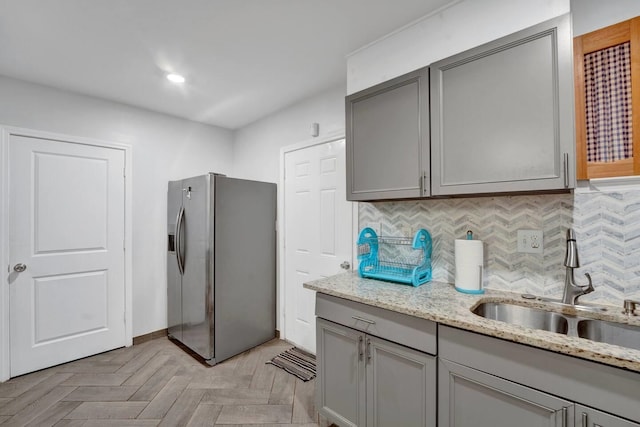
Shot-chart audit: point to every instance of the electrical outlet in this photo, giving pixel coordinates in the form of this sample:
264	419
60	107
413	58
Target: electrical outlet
530	241
406	231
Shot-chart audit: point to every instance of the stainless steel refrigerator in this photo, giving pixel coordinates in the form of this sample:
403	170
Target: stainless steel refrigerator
221	264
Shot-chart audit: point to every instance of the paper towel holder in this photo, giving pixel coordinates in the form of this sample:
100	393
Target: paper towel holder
469	265
480	285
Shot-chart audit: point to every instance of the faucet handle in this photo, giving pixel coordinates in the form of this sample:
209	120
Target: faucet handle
589	287
630	307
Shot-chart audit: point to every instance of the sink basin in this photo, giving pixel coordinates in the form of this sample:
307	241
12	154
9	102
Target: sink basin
523	316
603	331
610	333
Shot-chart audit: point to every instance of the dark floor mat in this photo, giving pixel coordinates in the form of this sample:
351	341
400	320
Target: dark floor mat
296	362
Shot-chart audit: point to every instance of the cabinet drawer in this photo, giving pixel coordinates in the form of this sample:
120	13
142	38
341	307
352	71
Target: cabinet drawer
403	329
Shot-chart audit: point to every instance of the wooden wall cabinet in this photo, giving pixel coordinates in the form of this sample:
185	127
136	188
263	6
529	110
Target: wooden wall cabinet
585	47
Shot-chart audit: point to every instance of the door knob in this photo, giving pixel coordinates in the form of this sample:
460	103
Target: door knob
345	265
19	268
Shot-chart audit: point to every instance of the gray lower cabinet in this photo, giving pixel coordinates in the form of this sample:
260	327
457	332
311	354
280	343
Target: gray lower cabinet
364	380
387	144
476	399
589	417
375	367
502	114
489	382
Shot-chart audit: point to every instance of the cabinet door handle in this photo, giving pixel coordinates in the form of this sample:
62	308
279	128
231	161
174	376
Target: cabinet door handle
566	170
565	417
362	319
360	350
424	184
585	420
368	349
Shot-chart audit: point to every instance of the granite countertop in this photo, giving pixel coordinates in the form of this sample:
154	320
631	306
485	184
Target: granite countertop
440	302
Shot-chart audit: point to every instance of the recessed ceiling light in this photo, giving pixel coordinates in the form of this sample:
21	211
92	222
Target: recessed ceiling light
175	78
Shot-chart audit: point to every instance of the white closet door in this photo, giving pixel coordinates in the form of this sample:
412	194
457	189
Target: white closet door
66	223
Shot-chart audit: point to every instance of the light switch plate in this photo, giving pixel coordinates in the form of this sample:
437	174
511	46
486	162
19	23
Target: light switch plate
530	241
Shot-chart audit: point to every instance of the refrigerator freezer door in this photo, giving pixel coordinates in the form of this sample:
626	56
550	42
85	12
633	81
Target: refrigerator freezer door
197	285
245	263
174	278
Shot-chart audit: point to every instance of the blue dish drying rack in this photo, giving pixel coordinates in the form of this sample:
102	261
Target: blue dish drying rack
397	259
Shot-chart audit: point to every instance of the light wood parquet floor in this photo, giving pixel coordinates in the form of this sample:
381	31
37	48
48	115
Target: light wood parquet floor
158	384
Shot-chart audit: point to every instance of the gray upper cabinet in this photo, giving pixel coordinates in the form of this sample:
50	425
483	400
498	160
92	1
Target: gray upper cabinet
502	115
388	139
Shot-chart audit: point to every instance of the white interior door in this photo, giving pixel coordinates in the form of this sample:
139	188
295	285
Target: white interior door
317	231
66	251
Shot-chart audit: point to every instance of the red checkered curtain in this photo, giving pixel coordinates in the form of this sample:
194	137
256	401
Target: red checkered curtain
608	104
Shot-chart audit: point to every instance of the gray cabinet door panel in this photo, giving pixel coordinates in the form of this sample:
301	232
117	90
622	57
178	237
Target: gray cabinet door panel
400	386
340	385
473	398
589	417
388	139
502	114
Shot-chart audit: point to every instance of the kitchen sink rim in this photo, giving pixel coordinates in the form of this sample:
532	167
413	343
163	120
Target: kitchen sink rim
573	316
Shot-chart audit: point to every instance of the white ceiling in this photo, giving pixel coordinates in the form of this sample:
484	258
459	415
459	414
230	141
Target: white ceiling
243	59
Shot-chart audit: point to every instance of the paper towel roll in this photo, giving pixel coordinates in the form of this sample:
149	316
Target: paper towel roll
469	259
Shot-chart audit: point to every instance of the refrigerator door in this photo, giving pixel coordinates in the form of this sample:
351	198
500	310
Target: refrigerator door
197	284
245	265
174	278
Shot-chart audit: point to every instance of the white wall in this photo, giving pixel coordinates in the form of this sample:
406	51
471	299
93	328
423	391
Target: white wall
256	152
589	15
463	25
164	148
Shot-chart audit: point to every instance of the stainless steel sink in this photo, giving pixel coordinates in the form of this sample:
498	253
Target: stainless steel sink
523	316
620	334
610	332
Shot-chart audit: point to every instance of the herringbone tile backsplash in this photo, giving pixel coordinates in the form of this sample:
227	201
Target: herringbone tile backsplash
607	225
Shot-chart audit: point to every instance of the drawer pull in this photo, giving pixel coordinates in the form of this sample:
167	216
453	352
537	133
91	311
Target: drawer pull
362	319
